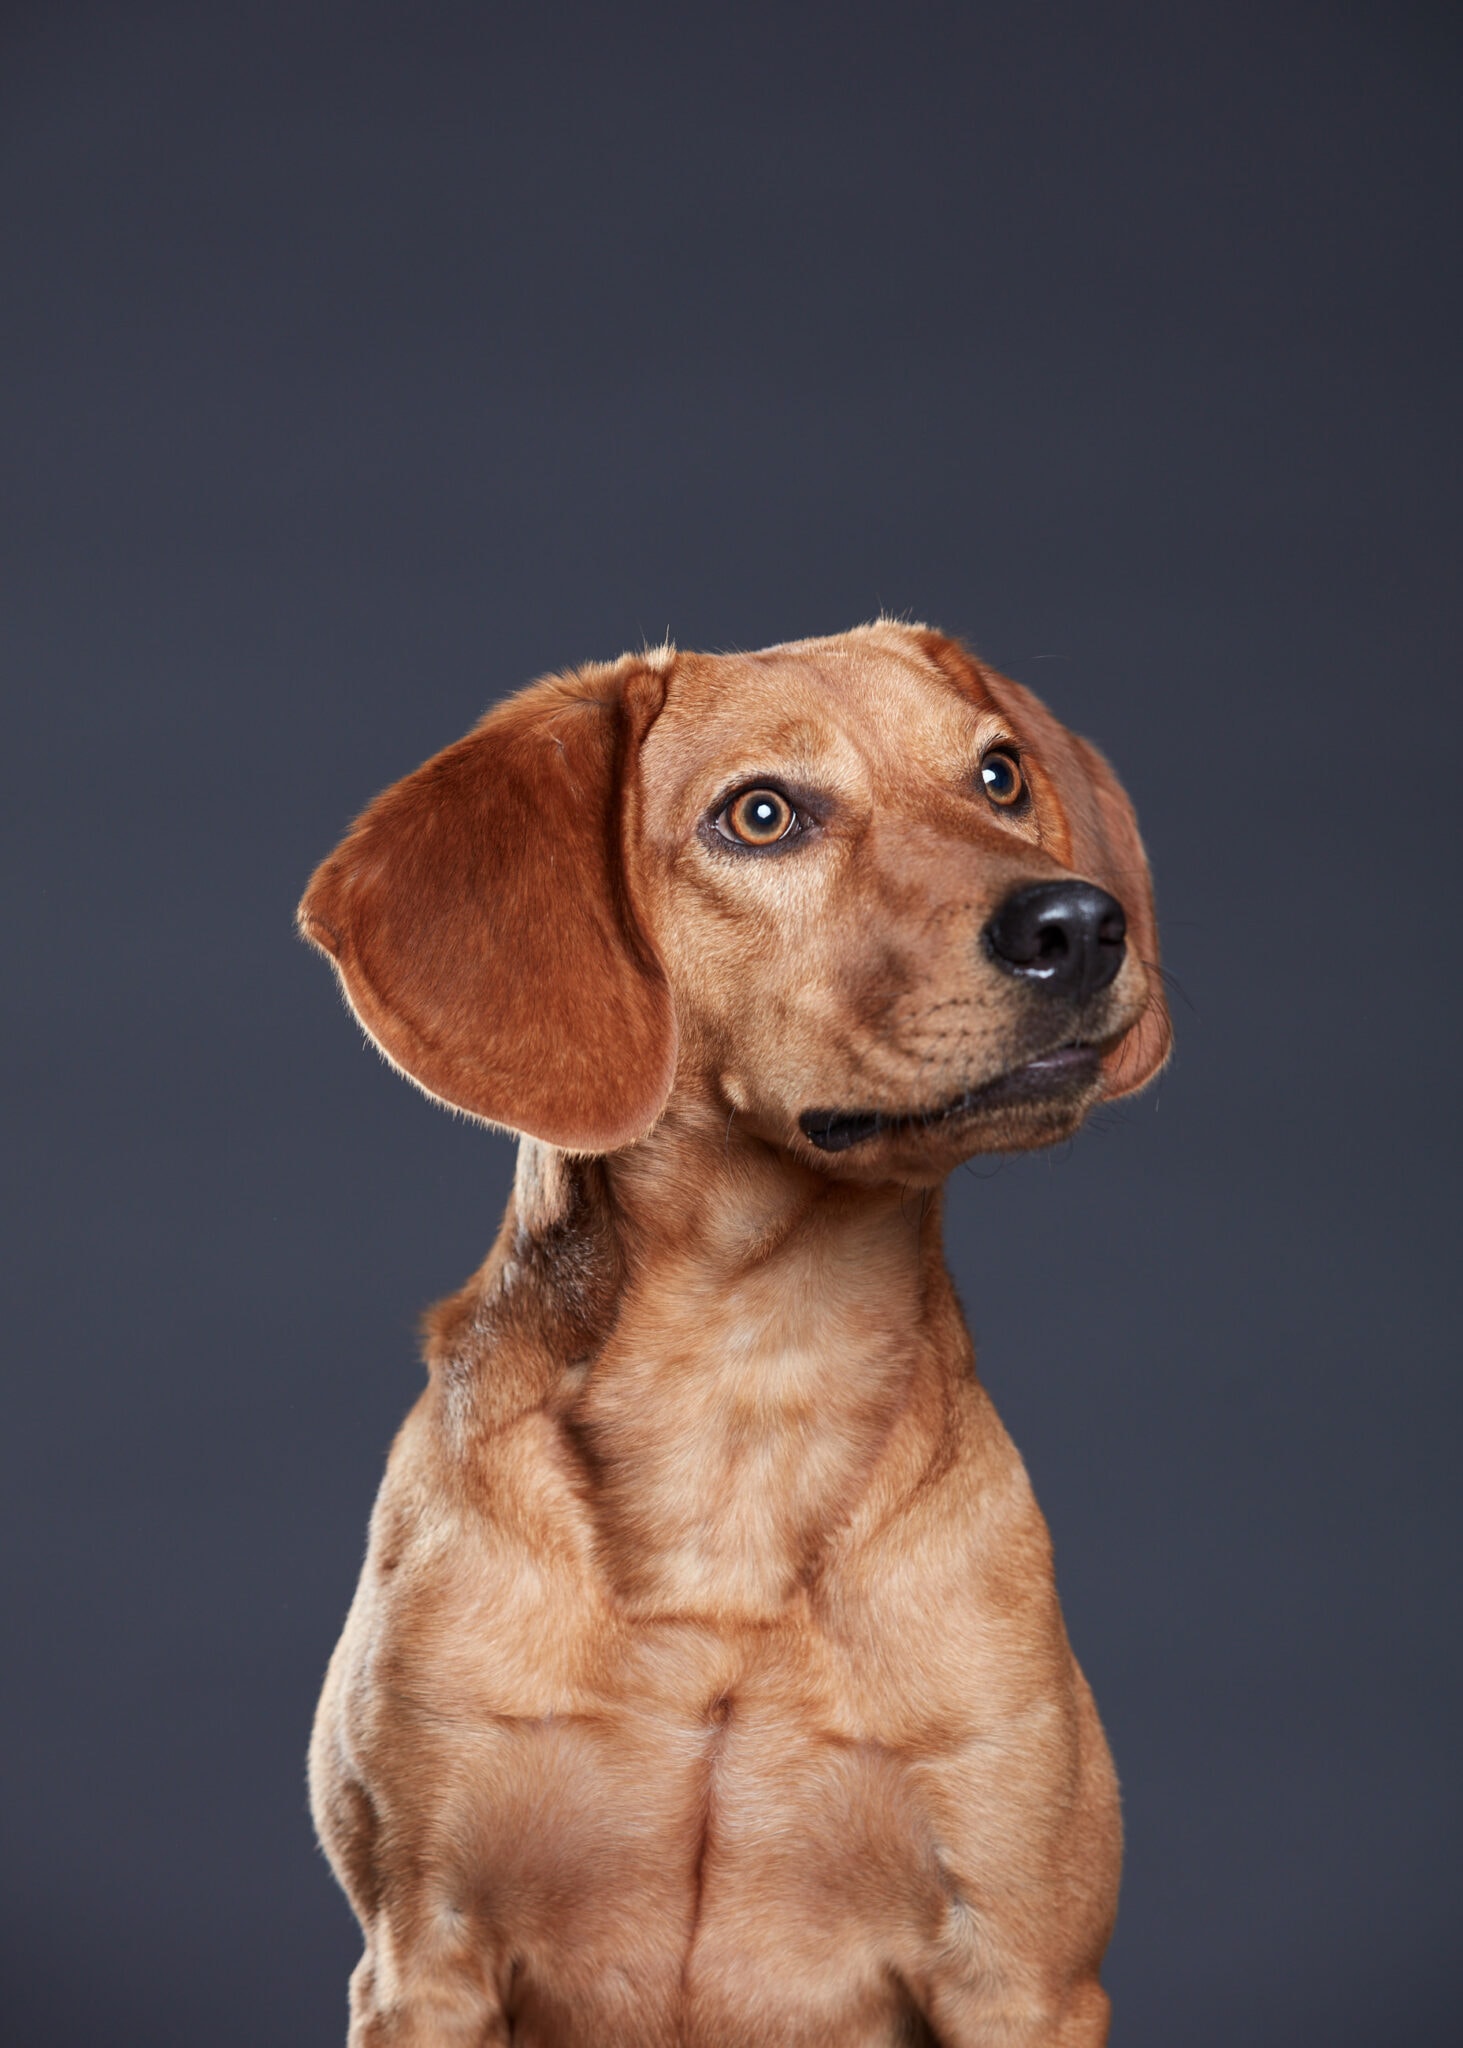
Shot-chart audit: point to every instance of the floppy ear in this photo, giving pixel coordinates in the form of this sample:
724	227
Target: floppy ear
480	919
1101	844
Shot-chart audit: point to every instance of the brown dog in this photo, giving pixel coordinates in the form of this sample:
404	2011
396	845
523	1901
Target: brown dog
706	1684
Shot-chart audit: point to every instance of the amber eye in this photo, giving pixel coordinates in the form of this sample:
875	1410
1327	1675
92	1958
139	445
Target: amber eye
1002	779
758	817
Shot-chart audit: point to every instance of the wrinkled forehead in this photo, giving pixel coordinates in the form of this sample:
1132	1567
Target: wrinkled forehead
849	719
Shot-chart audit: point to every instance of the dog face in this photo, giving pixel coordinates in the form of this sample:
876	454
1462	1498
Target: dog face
861	894
904	916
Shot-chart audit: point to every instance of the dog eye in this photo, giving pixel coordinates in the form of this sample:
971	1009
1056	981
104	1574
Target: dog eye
758	817
1002	779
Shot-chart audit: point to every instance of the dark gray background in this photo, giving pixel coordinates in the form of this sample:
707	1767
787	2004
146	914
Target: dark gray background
361	363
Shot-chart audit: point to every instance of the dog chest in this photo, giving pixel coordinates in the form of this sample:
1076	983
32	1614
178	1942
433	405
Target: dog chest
635	1863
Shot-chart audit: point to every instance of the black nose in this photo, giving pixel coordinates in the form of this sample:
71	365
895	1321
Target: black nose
1068	936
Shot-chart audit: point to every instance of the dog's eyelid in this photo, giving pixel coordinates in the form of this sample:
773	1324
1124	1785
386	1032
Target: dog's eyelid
811	805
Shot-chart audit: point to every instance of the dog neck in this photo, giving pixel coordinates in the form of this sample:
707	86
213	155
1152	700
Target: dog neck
780	1346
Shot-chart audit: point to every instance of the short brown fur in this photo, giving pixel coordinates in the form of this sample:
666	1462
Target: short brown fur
706	1683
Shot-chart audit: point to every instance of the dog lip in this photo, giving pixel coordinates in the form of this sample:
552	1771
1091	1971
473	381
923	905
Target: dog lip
1049	1074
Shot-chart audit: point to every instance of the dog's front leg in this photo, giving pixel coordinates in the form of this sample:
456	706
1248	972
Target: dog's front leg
976	2015
433	1989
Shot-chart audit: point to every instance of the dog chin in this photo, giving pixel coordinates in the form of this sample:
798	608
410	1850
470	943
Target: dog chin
1040	1102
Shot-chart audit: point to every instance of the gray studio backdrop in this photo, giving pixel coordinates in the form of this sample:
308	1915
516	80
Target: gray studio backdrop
360	363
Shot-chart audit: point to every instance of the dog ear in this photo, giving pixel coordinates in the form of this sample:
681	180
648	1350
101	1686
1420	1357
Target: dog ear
481	921
1100	843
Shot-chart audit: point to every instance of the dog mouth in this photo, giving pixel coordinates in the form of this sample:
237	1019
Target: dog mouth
1066	1071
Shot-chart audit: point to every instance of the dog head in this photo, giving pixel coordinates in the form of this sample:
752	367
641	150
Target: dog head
862	894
